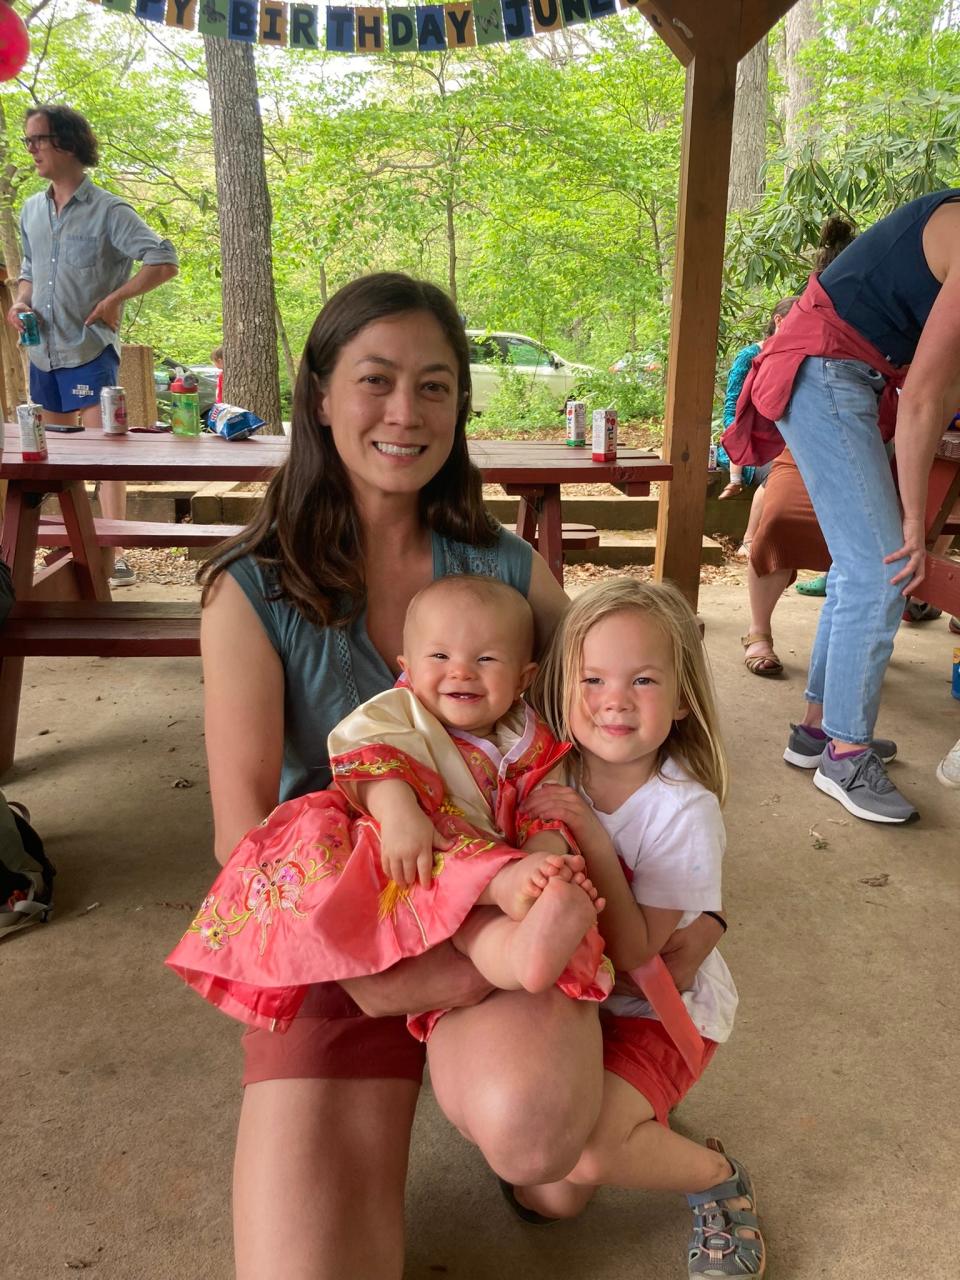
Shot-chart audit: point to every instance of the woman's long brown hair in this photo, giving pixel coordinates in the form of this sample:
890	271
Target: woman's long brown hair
307	531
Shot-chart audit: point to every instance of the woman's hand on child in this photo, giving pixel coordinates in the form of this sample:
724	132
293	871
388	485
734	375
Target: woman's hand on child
406	847
563	804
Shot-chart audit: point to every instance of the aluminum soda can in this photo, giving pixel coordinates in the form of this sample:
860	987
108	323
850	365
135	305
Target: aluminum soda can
576	424
604	435
30	334
955	685
113	411
33	439
712	458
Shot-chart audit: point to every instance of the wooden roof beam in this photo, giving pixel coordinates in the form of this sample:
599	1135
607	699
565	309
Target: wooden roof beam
757	17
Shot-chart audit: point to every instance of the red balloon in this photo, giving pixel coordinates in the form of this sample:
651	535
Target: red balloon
14	43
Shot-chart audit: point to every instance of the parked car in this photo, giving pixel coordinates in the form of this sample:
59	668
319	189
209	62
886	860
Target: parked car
491	353
206	375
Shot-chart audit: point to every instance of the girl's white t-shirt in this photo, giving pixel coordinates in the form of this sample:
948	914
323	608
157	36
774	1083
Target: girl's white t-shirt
670	836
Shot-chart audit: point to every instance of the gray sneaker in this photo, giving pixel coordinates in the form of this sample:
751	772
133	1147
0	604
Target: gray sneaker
804	749
123	575
861	785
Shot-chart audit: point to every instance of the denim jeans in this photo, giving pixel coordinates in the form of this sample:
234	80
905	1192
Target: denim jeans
831	429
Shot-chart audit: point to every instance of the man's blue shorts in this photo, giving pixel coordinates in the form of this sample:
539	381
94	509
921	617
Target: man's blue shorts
68	390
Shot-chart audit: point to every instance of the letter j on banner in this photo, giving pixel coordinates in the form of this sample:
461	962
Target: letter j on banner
517	22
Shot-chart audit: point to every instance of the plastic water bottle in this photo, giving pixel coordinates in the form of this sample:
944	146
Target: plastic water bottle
185	402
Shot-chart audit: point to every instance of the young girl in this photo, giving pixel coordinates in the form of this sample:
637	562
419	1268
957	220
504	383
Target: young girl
626	679
318	893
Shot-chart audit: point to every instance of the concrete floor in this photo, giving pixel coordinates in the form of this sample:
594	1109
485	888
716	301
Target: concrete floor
837	1088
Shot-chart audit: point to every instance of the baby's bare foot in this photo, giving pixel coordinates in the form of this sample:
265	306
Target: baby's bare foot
551	931
590	889
517	886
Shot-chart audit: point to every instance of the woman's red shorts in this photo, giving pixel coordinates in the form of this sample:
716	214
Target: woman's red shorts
331	1039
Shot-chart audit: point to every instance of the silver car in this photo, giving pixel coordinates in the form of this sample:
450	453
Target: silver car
491	353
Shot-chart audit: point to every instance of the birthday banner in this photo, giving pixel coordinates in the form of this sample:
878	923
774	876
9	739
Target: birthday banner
427	28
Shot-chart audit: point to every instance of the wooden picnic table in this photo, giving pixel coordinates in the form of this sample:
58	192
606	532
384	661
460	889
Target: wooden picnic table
531	470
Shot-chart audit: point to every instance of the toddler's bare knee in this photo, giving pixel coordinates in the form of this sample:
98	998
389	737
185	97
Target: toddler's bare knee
591	1168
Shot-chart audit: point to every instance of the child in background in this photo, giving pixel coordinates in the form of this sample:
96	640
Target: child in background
626	679
431	780
216	355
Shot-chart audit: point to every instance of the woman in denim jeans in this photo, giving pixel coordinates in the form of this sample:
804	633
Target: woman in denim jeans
885	314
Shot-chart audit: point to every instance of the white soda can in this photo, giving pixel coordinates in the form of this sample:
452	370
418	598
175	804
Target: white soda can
604	435
576	424
113	411
33	439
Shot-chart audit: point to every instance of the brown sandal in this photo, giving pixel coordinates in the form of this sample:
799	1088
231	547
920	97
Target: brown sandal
732	490
761	664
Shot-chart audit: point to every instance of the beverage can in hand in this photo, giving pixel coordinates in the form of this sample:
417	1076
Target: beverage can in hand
712	458
576	424
113	411
33	439
955	685
604	435
30	333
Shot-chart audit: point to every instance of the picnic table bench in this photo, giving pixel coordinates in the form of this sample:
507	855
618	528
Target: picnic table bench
65	609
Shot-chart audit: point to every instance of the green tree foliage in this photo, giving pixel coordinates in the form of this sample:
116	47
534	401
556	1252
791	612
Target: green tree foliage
537	180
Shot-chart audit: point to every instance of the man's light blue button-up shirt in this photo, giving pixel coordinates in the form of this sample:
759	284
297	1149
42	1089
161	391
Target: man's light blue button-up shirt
73	259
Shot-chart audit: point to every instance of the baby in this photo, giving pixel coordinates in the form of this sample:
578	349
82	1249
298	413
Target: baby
431	777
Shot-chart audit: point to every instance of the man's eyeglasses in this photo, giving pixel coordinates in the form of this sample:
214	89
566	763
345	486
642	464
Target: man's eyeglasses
38	139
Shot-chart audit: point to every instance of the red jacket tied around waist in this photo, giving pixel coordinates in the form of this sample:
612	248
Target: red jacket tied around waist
812	328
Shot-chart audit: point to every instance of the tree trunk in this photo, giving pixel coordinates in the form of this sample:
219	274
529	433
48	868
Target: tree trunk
749	129
288	359
451	251
801	26
250	366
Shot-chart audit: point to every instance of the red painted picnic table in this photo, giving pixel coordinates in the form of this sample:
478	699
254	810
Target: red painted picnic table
76	574
532	470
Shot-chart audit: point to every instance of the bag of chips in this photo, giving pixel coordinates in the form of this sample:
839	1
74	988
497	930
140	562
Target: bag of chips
232	422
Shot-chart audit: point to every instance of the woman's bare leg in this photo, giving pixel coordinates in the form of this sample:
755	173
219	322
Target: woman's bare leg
319	1178
764	590
521	1077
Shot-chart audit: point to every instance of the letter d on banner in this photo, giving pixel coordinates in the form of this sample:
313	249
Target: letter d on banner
402	24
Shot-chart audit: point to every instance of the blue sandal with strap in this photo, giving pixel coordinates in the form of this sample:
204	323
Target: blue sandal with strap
718	1246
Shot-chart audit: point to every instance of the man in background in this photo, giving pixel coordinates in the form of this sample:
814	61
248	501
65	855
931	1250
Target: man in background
79	246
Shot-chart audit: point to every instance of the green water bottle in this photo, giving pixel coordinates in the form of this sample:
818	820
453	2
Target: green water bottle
185	404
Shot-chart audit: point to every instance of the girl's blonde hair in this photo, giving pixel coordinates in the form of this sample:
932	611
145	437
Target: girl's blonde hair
695	738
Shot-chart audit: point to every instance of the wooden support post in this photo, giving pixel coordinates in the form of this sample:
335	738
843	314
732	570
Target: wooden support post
705	168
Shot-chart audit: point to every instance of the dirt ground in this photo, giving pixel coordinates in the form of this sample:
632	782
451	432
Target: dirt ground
837	1089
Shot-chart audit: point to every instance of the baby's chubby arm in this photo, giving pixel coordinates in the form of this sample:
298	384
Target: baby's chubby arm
633	933
407	836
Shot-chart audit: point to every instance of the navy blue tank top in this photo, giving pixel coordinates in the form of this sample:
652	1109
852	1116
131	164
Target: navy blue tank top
881	283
